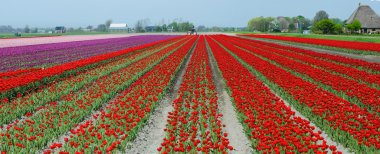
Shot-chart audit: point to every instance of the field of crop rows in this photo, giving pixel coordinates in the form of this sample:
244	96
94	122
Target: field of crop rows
188	94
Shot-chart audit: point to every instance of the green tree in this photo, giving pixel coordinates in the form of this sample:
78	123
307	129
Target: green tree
338	28
325	26
158	28
174	25
355	26
337	20
292	27
185	26
181	26
260	24
164	28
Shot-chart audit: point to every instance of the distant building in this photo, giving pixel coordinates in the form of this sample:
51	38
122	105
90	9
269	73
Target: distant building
306	32
170	29
60	29
119	28
368	18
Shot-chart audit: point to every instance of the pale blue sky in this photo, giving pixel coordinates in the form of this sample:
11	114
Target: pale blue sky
75	13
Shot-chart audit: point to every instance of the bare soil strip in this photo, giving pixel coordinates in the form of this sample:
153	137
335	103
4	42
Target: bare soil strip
369	58
151	135
235	130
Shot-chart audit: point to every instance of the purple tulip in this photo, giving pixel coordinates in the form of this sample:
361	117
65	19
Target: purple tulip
44	55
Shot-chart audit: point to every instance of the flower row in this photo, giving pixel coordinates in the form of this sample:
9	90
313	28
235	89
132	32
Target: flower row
27	104
120	120
273	126
57	118
368	97
333	43
12	86
318	60
52	54
346	123
194	125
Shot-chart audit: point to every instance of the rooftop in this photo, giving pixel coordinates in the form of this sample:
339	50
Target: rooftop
367	17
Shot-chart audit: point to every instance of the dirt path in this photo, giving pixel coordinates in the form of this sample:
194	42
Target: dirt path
369	58
151	135
235	130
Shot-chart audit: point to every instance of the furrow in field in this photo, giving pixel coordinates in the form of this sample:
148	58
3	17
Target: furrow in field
238	140
150	136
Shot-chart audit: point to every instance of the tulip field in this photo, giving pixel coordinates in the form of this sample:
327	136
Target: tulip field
98	95
366	48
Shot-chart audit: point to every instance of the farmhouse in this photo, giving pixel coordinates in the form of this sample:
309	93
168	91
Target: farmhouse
119	27
368	18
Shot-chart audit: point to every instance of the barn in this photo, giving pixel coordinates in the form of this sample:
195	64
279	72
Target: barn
119	27
368	18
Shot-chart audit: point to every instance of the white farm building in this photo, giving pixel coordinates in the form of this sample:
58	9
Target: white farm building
119	28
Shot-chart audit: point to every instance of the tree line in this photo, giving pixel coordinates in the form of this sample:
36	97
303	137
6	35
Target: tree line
143	25
320	24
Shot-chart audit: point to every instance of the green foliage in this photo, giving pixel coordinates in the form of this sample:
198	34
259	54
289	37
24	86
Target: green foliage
181	26
262	24
185	26
338	28
265	24
174	25
337	21
292	27
355	26
325	26
164	28
304	22
158	29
